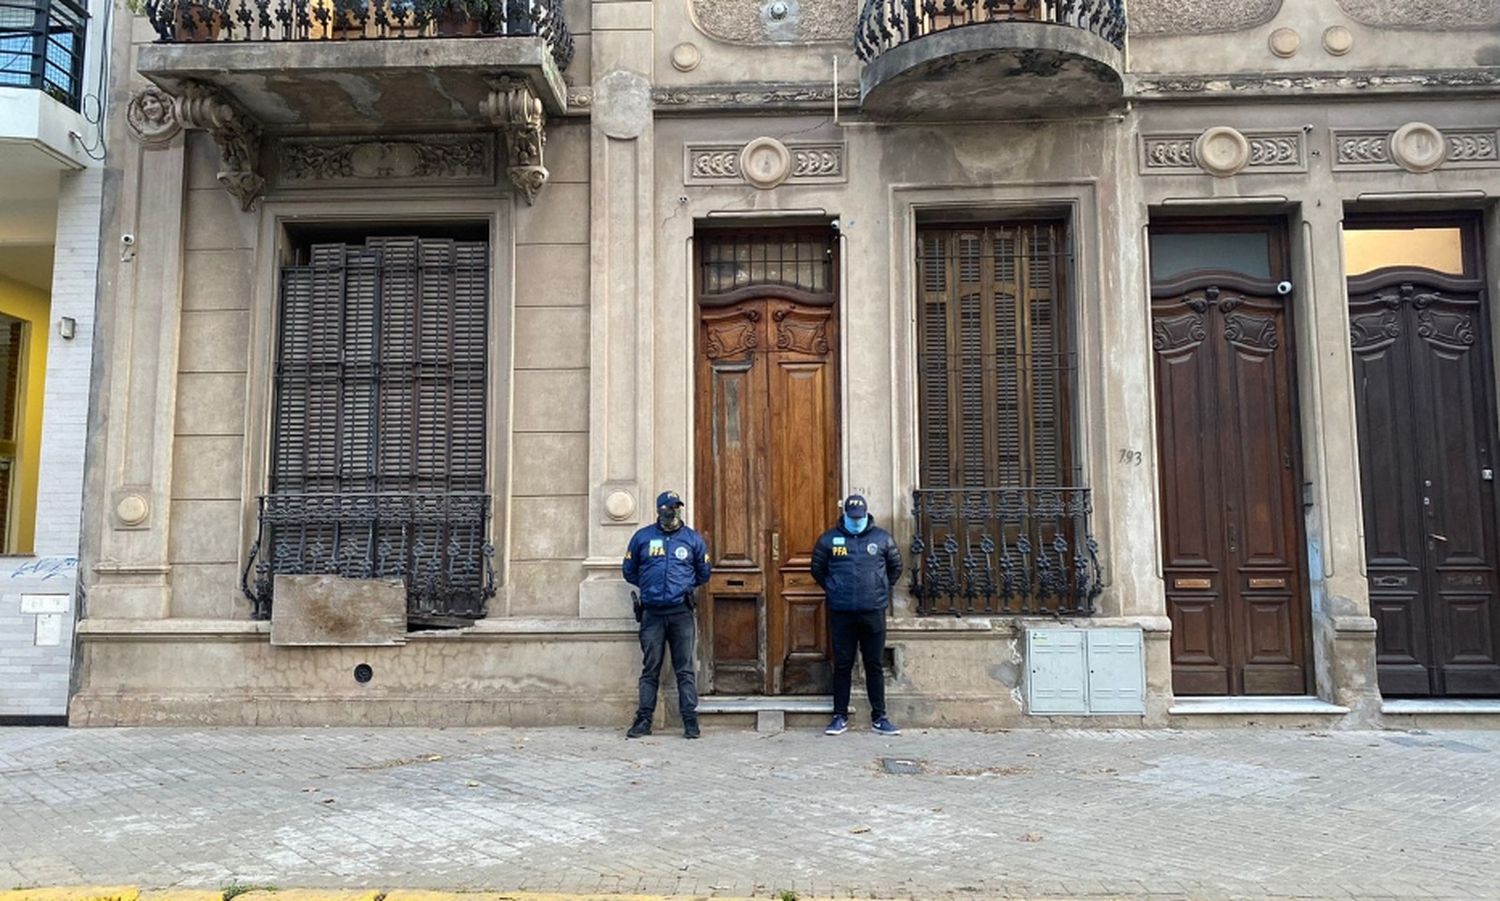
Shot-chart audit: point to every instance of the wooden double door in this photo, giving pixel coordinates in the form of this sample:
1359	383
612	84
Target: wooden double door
768	460
1423	379
1232	533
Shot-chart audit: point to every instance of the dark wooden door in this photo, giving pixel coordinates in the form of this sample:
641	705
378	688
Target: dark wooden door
1422	378
768	450
1231	524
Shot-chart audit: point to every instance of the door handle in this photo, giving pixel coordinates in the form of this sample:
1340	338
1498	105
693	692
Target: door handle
1436	536
776	546
1234	539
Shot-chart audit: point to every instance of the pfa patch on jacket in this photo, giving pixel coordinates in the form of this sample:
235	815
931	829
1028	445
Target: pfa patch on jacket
658	549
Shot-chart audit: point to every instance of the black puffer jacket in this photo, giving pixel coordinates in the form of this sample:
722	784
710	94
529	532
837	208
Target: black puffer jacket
856	570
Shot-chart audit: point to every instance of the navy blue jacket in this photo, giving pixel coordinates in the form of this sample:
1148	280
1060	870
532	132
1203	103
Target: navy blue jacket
856	570
666	566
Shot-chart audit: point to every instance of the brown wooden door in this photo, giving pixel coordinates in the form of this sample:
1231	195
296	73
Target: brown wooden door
1422	378
768	450
1231	525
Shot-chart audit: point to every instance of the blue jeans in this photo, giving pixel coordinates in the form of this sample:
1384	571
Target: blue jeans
662	627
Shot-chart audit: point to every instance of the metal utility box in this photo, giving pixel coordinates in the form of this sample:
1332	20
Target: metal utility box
1084	671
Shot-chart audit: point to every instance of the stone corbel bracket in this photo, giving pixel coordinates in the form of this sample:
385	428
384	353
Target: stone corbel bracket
516	110
237	134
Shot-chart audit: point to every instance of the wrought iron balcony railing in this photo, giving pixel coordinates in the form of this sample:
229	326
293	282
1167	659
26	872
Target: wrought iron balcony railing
436	543
360	20
1004	551
884	24
41	47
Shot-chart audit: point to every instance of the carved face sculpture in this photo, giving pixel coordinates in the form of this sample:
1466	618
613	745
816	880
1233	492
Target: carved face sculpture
153	111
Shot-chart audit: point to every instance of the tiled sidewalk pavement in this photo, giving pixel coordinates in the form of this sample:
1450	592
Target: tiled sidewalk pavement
1249	812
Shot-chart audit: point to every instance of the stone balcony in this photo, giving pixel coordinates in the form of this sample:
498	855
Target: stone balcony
990	59
242	68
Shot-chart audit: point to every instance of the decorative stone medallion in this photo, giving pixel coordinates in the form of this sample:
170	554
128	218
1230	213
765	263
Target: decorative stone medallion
1285	42
619	505
686	57
765	163
1283	150
775	21
1338	40
1418	147
1222	151
132	509
152	116
622	104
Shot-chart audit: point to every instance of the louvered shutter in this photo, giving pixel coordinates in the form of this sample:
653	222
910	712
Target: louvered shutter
378	448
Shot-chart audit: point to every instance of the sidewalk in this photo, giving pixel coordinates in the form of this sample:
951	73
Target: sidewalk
1242	813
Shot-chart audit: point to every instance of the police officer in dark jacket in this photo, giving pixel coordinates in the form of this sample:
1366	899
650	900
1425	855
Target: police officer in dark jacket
856	562
666	561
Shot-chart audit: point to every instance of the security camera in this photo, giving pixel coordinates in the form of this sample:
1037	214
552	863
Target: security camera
1283	288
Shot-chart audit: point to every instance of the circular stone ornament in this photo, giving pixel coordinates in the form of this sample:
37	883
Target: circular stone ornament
1338	40
1285	42
132	509
765	163
619	505
686	57
1222	151
1418	147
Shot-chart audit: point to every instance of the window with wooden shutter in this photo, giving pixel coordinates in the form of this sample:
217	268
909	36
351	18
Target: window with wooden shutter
1001	520
995	362
378	432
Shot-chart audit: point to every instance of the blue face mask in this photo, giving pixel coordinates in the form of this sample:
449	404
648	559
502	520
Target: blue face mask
856	525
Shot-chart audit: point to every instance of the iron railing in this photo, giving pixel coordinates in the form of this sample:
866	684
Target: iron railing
359	20
1004	551
436	543
884	24
42	46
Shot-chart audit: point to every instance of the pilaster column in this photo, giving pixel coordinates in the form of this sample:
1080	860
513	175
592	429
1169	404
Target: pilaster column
142	312
1343	630
623	250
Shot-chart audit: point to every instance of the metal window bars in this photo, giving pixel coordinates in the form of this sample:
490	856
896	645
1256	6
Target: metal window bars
1004	551
359	20
42	47
884	24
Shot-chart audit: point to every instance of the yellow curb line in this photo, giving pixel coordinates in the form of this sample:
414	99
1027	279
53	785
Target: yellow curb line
76	893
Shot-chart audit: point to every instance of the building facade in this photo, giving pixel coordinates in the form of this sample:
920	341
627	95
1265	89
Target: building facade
1158	332
52	60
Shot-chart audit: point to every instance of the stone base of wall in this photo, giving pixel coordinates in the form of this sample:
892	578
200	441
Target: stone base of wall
960	672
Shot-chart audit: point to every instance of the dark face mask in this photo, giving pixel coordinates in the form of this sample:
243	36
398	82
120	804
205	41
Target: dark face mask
669	518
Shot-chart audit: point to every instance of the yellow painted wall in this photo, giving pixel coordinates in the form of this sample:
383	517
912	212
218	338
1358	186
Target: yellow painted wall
34	306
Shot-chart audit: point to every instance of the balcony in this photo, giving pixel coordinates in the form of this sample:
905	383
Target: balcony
41	47
990	59
435	543
1004	552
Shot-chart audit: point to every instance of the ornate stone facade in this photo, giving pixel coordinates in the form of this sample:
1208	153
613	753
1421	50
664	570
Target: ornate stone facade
1429	15
776	21
1167	17
445	159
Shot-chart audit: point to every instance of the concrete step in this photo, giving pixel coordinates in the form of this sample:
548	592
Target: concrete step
767	713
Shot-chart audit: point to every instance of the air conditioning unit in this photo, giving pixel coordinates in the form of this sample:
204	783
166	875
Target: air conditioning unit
1081	672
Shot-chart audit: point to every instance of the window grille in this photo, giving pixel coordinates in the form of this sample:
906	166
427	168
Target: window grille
379	416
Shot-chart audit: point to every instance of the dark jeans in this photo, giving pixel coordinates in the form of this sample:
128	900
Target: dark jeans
863	630
662	627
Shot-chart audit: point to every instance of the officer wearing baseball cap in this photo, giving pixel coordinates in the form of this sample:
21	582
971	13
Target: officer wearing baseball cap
856	563
666	562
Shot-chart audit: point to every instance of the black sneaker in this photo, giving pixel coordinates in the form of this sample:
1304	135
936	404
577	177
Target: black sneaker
690	728
639	728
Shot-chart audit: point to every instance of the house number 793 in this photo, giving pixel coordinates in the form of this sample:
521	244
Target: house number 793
1130	457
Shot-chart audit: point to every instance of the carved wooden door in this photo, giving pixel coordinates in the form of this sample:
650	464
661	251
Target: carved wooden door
1232	532
767	449
1422	379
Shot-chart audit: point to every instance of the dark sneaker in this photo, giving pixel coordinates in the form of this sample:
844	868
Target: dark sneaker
641	726
884	726
838	725
690	729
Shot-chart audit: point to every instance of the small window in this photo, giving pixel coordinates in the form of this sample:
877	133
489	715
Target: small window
1437	249
1175	253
